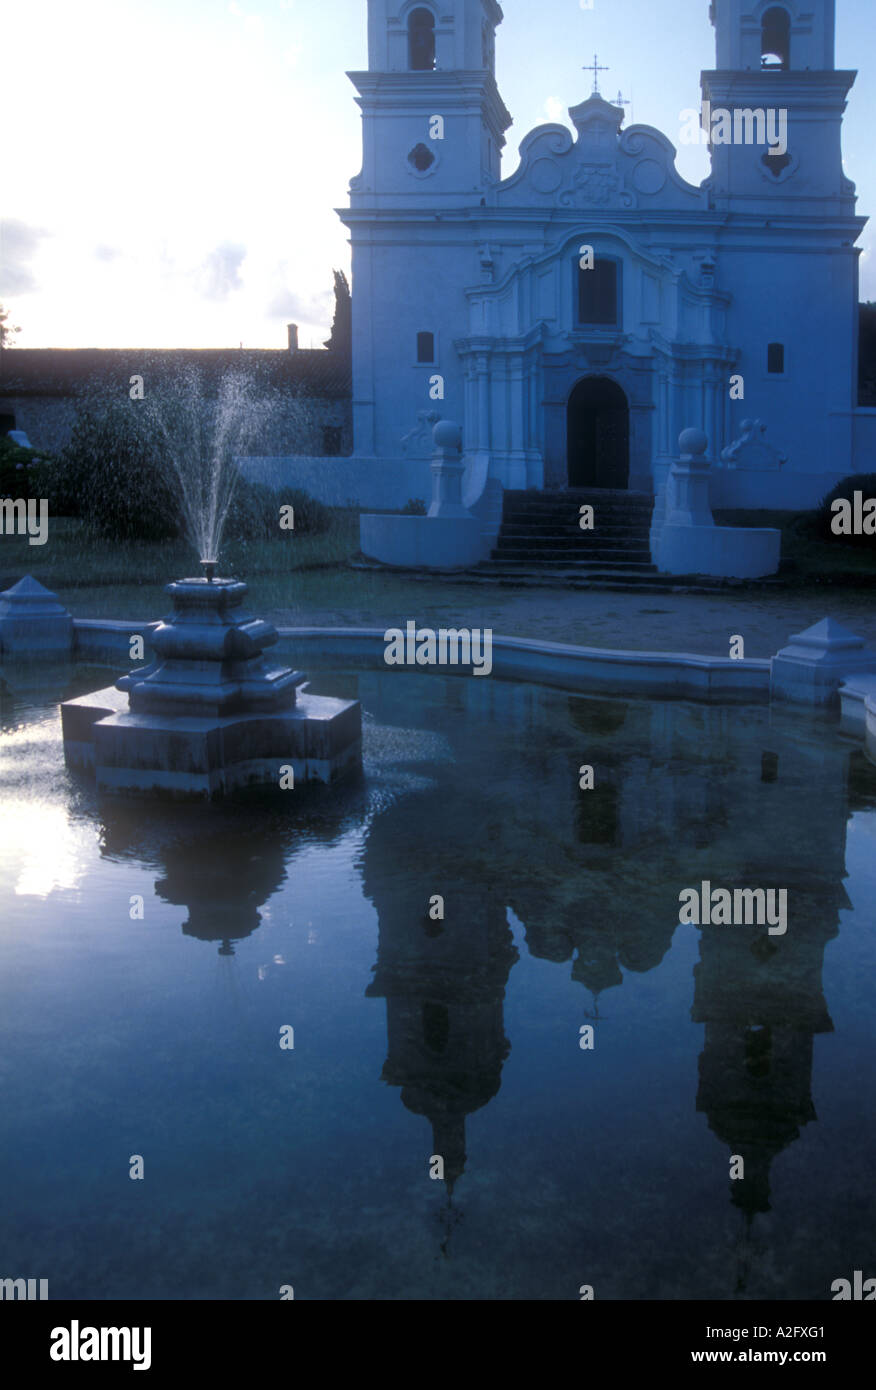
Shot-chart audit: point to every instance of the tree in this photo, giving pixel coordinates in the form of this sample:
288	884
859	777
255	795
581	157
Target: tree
7	329
342	325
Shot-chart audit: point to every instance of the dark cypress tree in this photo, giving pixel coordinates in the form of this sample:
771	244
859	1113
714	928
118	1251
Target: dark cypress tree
341	340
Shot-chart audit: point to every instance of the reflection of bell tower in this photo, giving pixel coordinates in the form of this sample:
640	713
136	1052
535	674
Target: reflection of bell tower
444	993
761	1000
444	985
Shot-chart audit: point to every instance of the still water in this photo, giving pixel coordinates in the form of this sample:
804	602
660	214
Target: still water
157	1033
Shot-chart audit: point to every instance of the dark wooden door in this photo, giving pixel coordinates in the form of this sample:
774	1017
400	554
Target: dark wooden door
598	424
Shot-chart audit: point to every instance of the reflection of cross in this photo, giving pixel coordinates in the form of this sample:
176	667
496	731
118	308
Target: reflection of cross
595	69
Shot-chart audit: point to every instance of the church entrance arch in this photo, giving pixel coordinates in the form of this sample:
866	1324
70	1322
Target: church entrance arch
598	434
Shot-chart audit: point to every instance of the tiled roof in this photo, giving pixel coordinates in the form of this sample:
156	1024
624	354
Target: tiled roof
62	371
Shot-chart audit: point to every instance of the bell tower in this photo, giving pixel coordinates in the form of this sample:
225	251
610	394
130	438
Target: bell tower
433	122
777	35
774	105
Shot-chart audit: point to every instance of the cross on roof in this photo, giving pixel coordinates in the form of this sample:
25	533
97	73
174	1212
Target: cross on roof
595	69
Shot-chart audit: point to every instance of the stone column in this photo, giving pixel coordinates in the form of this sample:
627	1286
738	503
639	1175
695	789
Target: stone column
483	417
517	473
663	415
710	416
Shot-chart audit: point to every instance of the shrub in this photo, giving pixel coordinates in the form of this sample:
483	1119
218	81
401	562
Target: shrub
254	514
34	473
857	482
414	507
117	472
15	466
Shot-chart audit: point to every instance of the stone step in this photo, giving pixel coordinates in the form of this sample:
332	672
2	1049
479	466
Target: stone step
570	540
523	562
618	522
582	578
583	555
621	521
540	515
583	494
618	584
541	536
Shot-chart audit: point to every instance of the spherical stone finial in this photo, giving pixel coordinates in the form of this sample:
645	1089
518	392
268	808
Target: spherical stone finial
693	442
447	435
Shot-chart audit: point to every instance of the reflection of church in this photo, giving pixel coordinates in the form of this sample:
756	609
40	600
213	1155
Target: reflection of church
687	792
683	792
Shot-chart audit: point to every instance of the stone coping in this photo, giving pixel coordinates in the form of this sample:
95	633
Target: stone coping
668	675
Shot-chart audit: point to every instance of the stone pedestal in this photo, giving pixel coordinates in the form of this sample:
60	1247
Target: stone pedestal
449	537
688	541
688	483
447	471
33	623
811	668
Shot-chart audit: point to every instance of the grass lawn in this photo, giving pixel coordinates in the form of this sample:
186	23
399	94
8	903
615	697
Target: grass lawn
98	578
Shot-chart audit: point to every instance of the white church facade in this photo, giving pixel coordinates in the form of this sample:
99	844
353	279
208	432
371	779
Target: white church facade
575	317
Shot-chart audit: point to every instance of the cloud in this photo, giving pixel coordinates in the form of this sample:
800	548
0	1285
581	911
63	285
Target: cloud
253	23
314	309
221	270
105	253
19	243
554	109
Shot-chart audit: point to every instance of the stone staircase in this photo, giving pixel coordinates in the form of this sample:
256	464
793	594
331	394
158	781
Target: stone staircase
540	538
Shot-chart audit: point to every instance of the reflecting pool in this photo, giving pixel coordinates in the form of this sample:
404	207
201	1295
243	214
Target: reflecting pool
150	959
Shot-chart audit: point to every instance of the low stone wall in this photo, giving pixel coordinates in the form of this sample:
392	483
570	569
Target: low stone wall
728	552
424	542
664	675
739	489
341	482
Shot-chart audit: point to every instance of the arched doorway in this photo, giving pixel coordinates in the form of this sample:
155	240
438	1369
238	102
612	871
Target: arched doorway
598	434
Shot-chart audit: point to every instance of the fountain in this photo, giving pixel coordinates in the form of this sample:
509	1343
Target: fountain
211	715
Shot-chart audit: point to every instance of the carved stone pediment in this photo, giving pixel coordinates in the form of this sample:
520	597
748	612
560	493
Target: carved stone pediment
600	168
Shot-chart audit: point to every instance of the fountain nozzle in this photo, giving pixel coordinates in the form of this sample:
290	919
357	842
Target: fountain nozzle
209	568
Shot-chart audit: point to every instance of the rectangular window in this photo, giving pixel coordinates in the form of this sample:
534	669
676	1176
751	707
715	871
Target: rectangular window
597	293
425	347
776	358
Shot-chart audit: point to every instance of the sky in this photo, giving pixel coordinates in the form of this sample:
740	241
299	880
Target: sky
171	167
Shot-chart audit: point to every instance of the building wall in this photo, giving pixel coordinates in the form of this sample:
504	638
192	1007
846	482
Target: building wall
46	420
298	427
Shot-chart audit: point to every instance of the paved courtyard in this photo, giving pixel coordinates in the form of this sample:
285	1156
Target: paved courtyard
696	623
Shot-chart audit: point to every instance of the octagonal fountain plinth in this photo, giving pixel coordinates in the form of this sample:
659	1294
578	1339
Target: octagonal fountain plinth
211	715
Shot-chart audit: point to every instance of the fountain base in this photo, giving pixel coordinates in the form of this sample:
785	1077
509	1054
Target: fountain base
196	759
210	717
